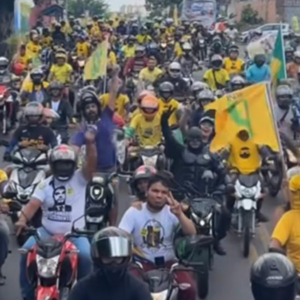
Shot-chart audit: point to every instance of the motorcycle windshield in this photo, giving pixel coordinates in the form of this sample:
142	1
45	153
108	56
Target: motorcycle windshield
149	152
158	280
202	207
30	155
26	177
249	180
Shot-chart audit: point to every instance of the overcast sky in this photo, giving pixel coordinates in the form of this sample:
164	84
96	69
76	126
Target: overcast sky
116	4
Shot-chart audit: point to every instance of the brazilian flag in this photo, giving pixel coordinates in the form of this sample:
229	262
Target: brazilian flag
278	64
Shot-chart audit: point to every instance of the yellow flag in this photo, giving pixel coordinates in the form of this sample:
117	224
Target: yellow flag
97	63
175	17
295	24
244	109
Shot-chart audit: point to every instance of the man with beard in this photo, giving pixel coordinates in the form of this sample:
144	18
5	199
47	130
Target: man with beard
103	120
153	227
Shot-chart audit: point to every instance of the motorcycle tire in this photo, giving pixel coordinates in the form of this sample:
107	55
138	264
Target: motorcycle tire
202	278
246	234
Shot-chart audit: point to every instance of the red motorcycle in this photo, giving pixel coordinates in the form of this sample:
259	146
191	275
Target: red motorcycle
52	265
6	108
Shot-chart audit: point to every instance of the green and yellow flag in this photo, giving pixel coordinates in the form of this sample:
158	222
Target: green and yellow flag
97	63
248	109
278	64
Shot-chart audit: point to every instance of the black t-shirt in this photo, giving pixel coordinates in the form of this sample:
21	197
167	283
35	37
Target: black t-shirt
94	287
40	135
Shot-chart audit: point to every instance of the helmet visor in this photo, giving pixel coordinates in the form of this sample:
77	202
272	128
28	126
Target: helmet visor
113	247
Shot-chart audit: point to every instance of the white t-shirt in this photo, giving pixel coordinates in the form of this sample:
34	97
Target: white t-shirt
152	232
232	33
62	203
55	105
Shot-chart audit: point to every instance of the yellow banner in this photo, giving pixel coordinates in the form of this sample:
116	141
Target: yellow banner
244	109
97	63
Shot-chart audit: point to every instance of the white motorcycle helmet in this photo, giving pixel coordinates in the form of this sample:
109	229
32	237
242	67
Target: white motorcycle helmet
174	70
3	64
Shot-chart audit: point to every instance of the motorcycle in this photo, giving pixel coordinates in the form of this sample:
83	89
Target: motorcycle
5	101
202	49
121	147
52	264
248	189
99	199
152	156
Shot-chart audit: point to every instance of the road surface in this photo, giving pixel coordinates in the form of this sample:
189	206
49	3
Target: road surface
229	279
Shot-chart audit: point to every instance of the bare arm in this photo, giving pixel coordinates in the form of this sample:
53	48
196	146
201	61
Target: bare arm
90	166
114	88
30	209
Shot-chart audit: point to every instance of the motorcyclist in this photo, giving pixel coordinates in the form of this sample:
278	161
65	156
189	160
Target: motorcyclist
128	50
217	78
136	64
5	74
35	90
174	76
15	86
259	71
139	182
62	107
61	198
162	34
83	47
273	276
237	82
165	213
289	54
46	39
33	134
195	89
187	61
216	47
122	28
134	29
189	164
58	36
21	58
33	48
293	67
151	73
203	98
143	38
111	252
233	64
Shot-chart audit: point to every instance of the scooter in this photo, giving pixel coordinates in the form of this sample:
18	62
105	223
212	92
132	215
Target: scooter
248	189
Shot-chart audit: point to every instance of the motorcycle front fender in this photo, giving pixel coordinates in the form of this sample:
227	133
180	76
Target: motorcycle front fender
246	204
45	293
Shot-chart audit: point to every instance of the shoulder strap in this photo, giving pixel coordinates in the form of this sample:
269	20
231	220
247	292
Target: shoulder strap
218	85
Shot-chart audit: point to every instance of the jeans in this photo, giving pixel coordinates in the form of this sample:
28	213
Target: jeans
180	277
85	264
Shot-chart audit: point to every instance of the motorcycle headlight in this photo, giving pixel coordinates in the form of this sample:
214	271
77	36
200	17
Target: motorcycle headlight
27	191
47	266
150	161
248	192
160	296
97	193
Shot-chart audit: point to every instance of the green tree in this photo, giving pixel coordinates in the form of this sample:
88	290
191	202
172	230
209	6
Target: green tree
157	6
95	7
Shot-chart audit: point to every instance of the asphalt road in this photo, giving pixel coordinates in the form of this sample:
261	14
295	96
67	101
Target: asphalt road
229	278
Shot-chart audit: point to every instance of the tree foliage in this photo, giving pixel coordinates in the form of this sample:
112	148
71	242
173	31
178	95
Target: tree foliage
158	6
95	7
250	16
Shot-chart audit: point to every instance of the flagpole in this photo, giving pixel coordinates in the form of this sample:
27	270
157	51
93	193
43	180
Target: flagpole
283	54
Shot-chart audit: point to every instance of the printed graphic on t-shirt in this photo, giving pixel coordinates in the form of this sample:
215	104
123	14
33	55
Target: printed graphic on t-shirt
153	235
60	211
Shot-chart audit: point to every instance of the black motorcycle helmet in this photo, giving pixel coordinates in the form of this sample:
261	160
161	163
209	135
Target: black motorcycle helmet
193	139
87	99
284	96
142	173
63	162
55	88
166	91
259	60
37	76
111	252
274	277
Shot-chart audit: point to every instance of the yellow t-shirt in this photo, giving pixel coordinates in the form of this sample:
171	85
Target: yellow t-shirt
83	49
222	77
244	156
3	176
112	58
294	186
148	133
28	87
287	233
46	41
150	76
121	102
164	106
61	73
143	39
33	50
170	30
233	66
128	51
178	49
24	60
